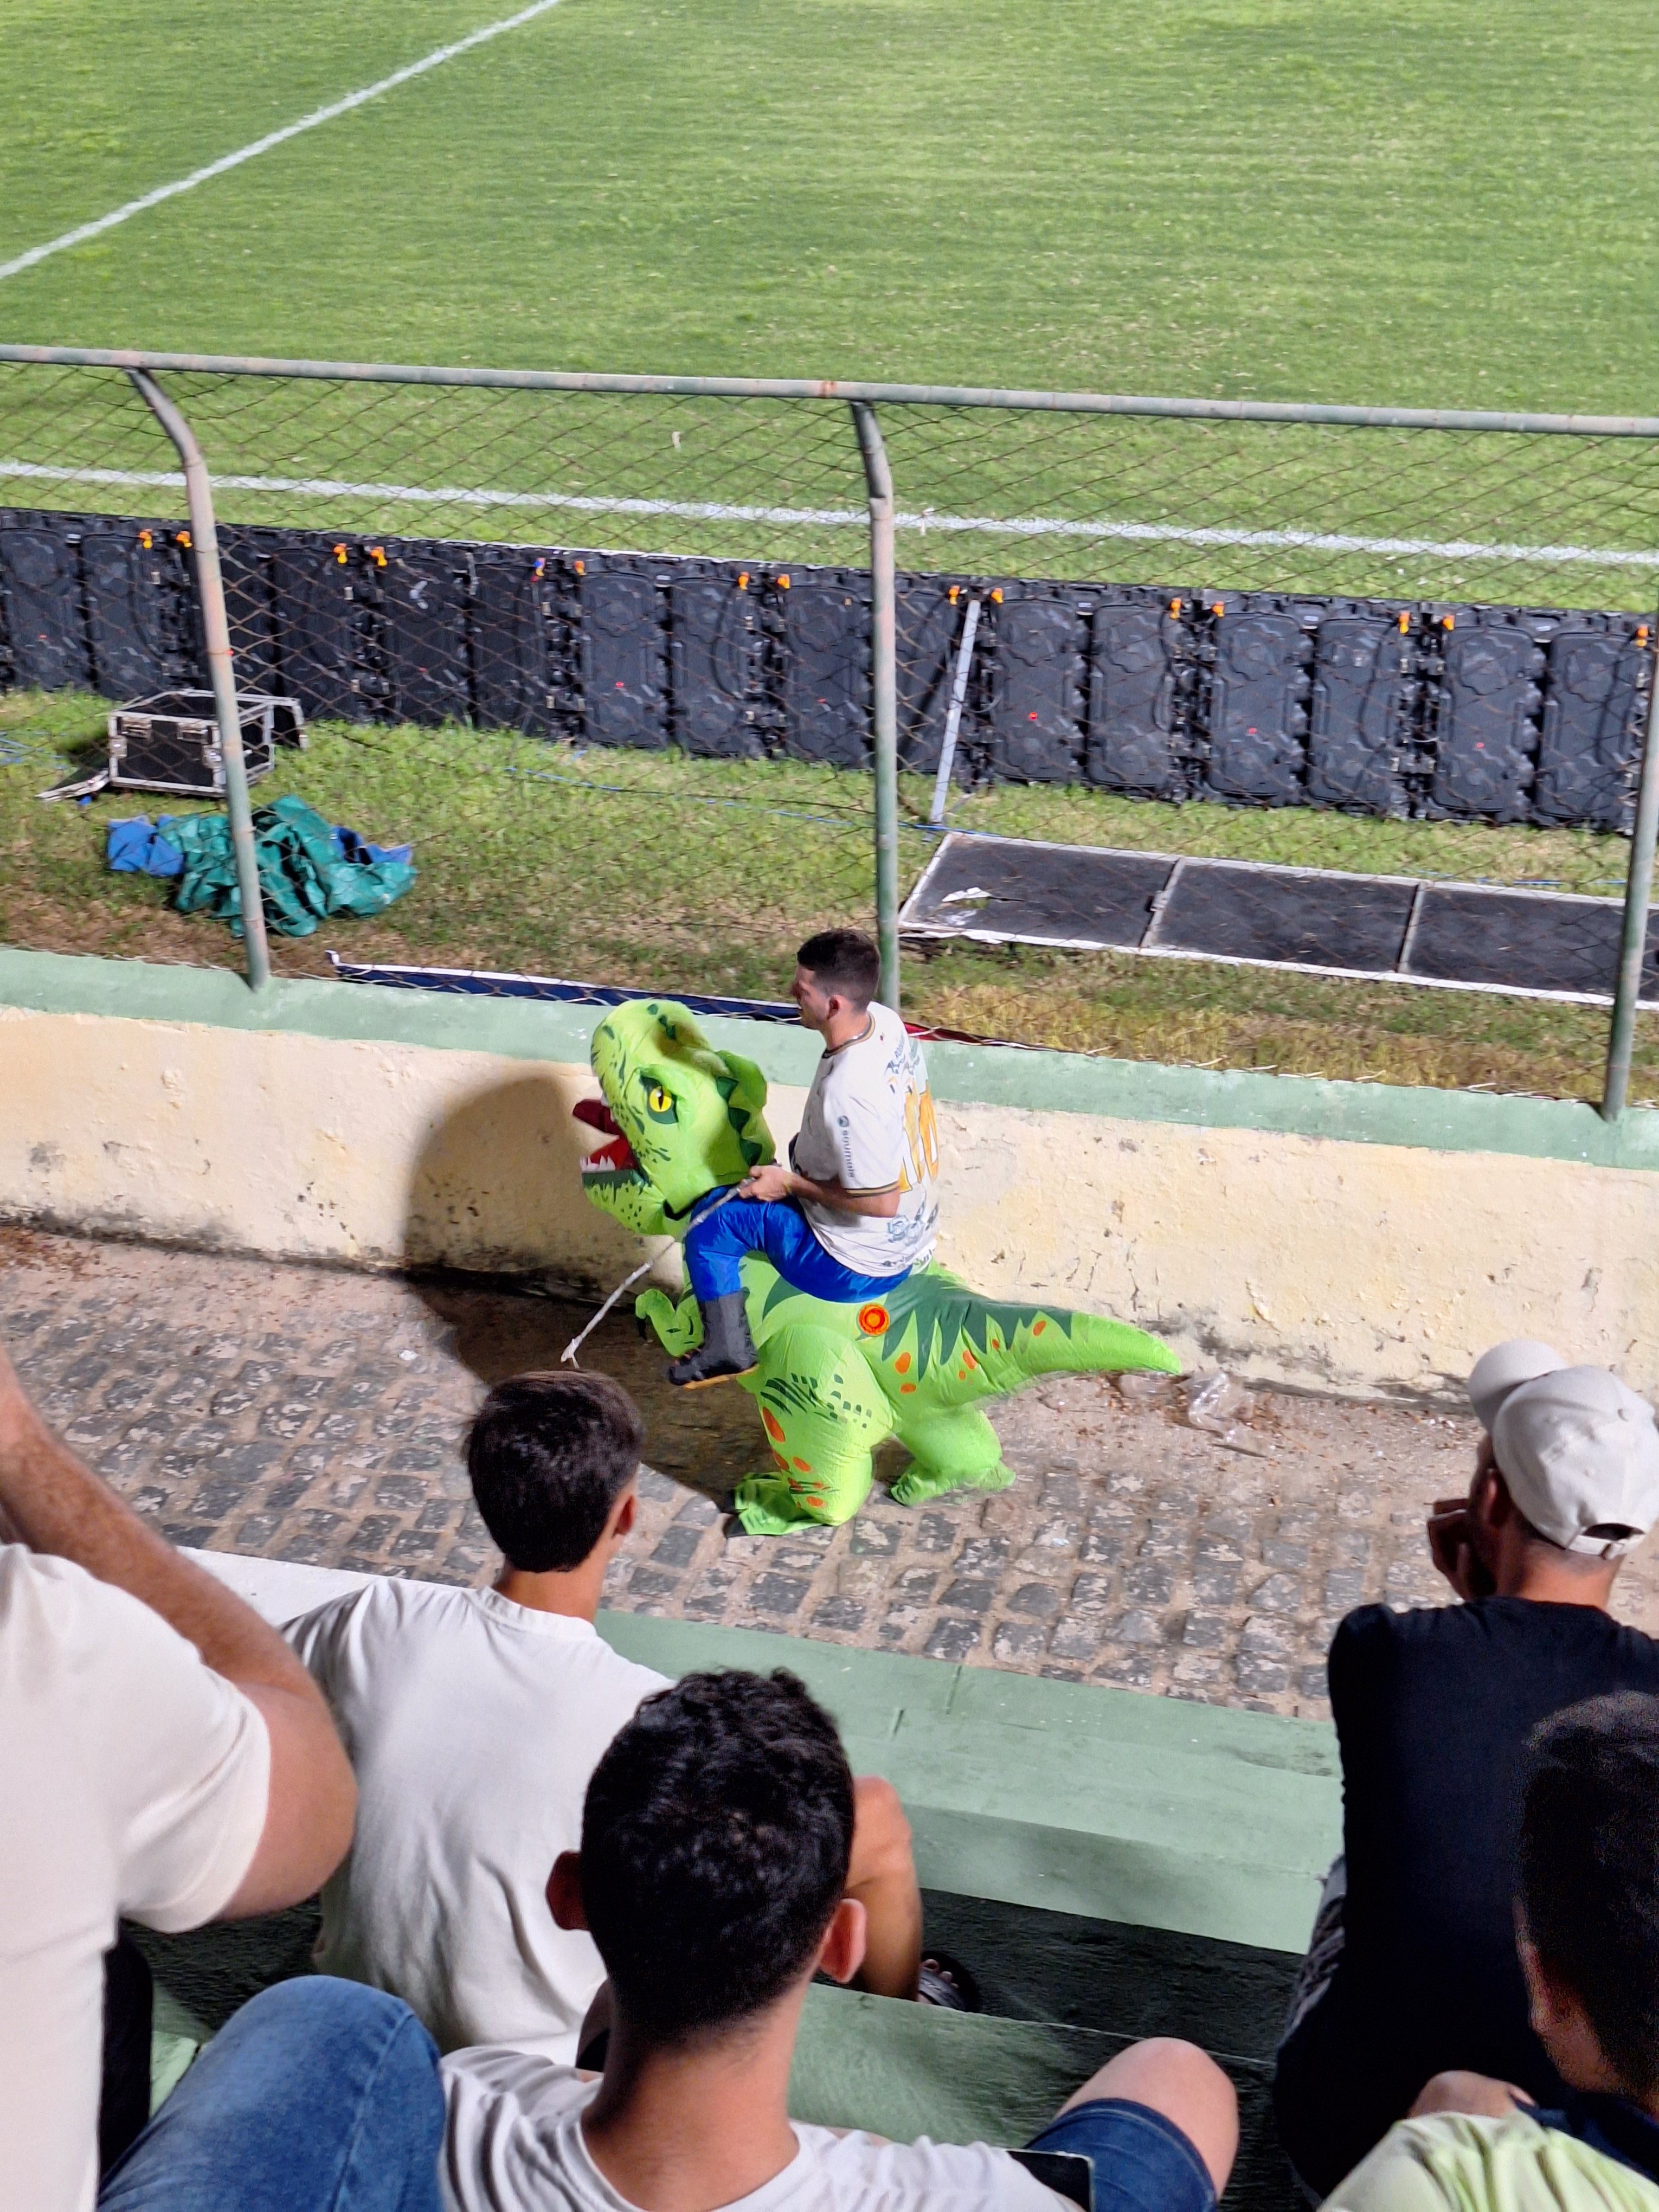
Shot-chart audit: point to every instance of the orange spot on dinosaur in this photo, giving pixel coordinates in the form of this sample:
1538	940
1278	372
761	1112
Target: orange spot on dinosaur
804	1467
1037	1327
906	1389
779	1461
969	1360
902	1365
774	1425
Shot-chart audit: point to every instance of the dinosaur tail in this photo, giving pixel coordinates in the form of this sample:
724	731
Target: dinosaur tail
1088	1344
969	1347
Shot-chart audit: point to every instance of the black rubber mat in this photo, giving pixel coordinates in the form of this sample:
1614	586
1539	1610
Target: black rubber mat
1518	940
1531	943
1005	888
1258	913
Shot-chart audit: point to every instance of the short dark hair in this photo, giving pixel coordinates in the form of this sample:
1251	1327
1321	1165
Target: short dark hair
843	960
548	1456
716	1842
1589	1871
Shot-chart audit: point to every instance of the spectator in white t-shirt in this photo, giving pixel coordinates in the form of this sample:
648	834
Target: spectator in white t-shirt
856	1211
163	1756
474	1719
713	1875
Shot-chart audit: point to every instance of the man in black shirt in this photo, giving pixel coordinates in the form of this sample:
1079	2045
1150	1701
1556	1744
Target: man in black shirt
1433	1709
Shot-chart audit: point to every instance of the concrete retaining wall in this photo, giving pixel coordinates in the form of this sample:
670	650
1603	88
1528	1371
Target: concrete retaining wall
1327	1235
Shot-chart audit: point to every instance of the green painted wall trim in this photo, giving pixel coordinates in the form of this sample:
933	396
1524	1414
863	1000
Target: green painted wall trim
1294	1105
992	1075
218	998
1110	1803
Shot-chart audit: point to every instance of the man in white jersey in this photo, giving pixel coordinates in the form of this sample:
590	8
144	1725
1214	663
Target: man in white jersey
854	1212
716	1841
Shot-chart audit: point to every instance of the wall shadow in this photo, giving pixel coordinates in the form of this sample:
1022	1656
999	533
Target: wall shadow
504	1250
495	1188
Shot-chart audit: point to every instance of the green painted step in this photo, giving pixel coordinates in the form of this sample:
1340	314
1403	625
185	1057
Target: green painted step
1107	1803
904	2070
898	2071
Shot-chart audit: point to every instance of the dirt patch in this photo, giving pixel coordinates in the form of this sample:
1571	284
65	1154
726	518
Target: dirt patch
33	1248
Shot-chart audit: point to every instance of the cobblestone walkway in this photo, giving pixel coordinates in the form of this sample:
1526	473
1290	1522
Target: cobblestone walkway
303	1414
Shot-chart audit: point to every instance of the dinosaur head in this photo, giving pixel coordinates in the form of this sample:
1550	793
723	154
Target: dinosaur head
682	1118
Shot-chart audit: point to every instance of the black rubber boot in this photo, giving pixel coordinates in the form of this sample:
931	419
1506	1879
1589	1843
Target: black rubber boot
727	1349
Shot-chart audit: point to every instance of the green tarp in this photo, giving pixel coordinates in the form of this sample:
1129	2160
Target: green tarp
302	872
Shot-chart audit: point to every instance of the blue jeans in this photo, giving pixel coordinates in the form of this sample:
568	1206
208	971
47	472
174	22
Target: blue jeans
318	2096
1140	2161
719	1237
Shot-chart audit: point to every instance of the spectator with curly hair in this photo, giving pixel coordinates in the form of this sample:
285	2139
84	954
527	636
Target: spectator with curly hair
713	1875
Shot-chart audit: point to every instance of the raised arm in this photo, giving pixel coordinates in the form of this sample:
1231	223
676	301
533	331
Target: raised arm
51	1501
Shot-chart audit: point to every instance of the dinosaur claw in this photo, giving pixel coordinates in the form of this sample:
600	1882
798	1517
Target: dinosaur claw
918	1485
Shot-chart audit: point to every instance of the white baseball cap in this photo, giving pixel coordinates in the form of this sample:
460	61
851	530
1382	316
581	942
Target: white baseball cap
1579	1451
1500	1370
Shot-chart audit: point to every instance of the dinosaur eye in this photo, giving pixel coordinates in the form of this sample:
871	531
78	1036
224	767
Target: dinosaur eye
659	1103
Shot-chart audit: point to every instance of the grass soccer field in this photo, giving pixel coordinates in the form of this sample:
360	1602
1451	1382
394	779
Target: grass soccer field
1417	201
1421	203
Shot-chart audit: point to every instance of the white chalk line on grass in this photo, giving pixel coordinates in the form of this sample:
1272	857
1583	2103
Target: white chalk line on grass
336	107
983	525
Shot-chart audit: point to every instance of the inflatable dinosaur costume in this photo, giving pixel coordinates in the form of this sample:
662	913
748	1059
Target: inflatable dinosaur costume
833	1380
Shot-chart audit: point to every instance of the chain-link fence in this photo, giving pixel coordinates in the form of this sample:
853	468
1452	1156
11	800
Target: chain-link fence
589	747
1307	739
1395	660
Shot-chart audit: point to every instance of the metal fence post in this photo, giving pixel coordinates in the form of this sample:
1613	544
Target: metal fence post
211	591
883	677
1638	894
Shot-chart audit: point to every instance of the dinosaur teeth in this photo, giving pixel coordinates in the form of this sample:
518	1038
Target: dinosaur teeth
616	1158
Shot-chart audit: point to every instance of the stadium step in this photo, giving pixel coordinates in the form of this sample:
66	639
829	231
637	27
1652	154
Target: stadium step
1111	1865
1117	1806
903	2070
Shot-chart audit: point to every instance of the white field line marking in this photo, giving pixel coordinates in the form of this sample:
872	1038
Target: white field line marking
1156	534
86	230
